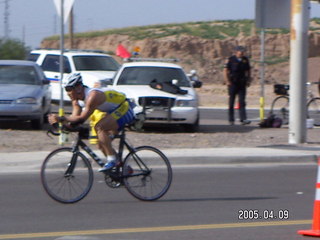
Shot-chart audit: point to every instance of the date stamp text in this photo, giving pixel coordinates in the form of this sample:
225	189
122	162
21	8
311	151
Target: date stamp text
255	214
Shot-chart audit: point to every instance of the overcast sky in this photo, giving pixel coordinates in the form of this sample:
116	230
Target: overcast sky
33	20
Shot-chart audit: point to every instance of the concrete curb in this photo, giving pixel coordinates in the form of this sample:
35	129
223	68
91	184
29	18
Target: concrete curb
31	161
241	155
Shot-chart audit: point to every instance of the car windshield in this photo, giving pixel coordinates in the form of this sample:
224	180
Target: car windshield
95	63
33	57
144	75
17	74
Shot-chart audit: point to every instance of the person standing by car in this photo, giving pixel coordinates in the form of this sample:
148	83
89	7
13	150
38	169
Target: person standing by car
237	77
114	105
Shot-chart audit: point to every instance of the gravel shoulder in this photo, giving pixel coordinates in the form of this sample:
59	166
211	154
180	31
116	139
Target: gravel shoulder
209	136
17	137
21	140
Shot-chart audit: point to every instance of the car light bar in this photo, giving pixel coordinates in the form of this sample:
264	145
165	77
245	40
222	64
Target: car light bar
75	50
152	60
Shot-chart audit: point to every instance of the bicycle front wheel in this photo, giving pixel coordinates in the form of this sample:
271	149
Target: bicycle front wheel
313	108
147	173
280	108
67	177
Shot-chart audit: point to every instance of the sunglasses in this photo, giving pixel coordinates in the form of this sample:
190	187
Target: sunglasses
68	88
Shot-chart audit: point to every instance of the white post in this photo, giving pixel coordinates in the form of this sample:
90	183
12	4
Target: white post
298	70
61	52
61	110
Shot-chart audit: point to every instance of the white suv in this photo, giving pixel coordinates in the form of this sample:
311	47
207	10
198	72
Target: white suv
162	91
95	67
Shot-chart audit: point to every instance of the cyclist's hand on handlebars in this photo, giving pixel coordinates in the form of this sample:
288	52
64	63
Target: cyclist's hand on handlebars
53	119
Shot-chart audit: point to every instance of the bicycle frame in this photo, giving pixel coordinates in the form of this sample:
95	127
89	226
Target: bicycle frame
122	144
75	149
68	179
88	150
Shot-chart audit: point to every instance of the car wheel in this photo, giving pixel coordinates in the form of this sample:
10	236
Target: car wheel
192	127
38	123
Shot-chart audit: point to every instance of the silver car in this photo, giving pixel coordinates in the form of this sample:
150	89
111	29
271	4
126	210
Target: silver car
25	92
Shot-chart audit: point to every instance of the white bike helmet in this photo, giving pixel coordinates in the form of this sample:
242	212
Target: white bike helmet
73	80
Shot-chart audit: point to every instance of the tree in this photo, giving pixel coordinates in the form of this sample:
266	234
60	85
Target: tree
12	49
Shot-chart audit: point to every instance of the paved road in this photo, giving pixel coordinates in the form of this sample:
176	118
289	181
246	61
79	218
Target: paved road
205	112
202	204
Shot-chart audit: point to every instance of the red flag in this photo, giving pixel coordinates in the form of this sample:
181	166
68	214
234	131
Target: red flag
122	52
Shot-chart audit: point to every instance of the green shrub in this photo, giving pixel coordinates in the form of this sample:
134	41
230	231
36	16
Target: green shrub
13	49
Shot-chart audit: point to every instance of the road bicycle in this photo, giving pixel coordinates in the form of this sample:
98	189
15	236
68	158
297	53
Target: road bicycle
280	105
67	174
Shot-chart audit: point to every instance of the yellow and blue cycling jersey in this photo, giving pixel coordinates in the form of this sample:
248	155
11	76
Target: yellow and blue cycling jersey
115	105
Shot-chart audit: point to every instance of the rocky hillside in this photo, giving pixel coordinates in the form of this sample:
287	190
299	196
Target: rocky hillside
203	46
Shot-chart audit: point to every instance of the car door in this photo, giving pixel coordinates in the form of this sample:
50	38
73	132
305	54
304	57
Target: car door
51	68
46	88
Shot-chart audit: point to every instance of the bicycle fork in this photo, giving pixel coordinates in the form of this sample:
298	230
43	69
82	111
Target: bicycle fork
71	165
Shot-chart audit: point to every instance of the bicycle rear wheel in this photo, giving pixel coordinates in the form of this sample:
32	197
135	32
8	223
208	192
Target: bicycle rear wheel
147	173
67	177
313	108
280	108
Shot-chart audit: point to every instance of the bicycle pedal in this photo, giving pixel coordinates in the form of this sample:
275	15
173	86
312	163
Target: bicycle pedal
112	182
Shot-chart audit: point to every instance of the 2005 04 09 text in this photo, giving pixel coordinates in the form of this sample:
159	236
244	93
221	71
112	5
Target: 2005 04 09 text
255	214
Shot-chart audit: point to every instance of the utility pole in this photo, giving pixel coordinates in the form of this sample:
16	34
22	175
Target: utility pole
298	70
6	19
55	24
71	23
23	34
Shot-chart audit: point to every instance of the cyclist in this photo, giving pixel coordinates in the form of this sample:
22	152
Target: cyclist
115	108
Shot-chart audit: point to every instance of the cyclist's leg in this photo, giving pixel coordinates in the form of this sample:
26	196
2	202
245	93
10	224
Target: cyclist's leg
109	125
104	128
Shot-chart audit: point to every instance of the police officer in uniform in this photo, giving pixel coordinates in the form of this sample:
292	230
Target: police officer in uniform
237	77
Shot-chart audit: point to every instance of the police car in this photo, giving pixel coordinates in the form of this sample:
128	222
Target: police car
95	67
161	90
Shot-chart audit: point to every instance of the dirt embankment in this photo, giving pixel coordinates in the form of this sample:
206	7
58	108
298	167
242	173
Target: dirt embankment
207	56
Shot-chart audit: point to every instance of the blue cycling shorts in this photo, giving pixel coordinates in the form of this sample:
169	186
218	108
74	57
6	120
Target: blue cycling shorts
125	119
